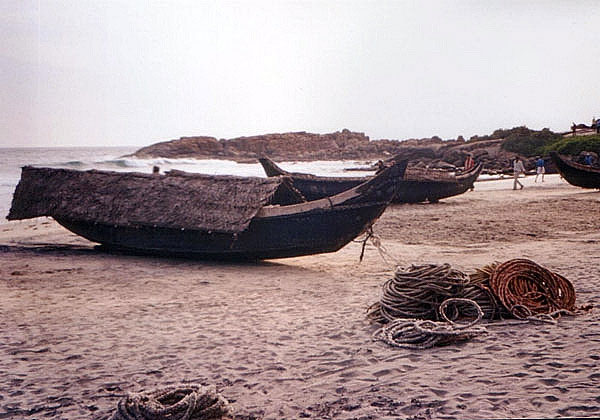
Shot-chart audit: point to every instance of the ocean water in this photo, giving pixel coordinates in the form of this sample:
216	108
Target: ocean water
114	159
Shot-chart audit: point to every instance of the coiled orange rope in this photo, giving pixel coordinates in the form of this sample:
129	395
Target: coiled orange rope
519	288
525	288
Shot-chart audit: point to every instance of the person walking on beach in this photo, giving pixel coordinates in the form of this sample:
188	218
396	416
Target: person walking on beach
517	169
539	168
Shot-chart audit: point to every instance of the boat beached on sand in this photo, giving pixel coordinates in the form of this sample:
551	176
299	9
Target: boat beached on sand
415	186
584	176
219	217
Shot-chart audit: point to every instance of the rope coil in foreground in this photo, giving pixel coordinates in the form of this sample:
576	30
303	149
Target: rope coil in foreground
423	334
518	288
526	288
418	291
187	402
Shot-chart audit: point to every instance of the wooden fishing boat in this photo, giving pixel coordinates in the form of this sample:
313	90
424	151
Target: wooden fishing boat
584	176
220	217
417	185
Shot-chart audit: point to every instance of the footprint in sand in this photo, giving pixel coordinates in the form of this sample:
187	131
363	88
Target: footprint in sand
382	372
555	364
439	392
549	381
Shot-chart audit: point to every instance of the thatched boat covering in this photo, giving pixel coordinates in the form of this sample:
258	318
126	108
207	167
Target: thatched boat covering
174	200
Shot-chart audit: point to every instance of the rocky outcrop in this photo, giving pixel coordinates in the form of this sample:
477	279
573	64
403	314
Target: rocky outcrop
197	147
301	145
341	145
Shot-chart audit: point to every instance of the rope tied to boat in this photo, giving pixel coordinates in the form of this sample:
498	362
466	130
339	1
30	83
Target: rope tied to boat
185	402
368	235
375	240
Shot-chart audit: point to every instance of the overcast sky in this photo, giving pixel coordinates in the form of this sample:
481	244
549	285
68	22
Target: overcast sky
95	73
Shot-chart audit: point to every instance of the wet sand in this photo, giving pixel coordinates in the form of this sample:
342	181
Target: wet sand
288	339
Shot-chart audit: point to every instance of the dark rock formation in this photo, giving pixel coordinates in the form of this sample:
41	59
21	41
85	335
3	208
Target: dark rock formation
341	145
197	147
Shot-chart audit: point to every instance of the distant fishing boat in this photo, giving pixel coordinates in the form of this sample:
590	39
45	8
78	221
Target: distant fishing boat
220	217
417	185
583	176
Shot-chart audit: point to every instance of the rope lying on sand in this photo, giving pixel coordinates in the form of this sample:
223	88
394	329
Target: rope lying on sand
423	334
492	306
418	291
526	288
518	288
187	402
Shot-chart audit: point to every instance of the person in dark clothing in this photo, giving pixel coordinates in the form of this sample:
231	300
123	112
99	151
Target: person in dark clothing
588	160
539	168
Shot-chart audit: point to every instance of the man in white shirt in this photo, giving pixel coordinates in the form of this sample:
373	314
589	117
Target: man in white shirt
517	169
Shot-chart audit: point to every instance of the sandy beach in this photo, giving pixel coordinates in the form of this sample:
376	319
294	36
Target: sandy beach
288	339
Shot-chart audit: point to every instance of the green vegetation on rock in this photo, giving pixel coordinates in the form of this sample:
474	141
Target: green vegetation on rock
575	145
526	142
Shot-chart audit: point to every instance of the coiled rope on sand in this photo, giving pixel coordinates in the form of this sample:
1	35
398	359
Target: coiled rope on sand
518	288
419	290
525	288
480	279
423	334
186	402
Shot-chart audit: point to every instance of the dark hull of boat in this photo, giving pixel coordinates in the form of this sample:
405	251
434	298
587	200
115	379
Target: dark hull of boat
432	191
315	189
280	229
576	174
408	191
313	232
